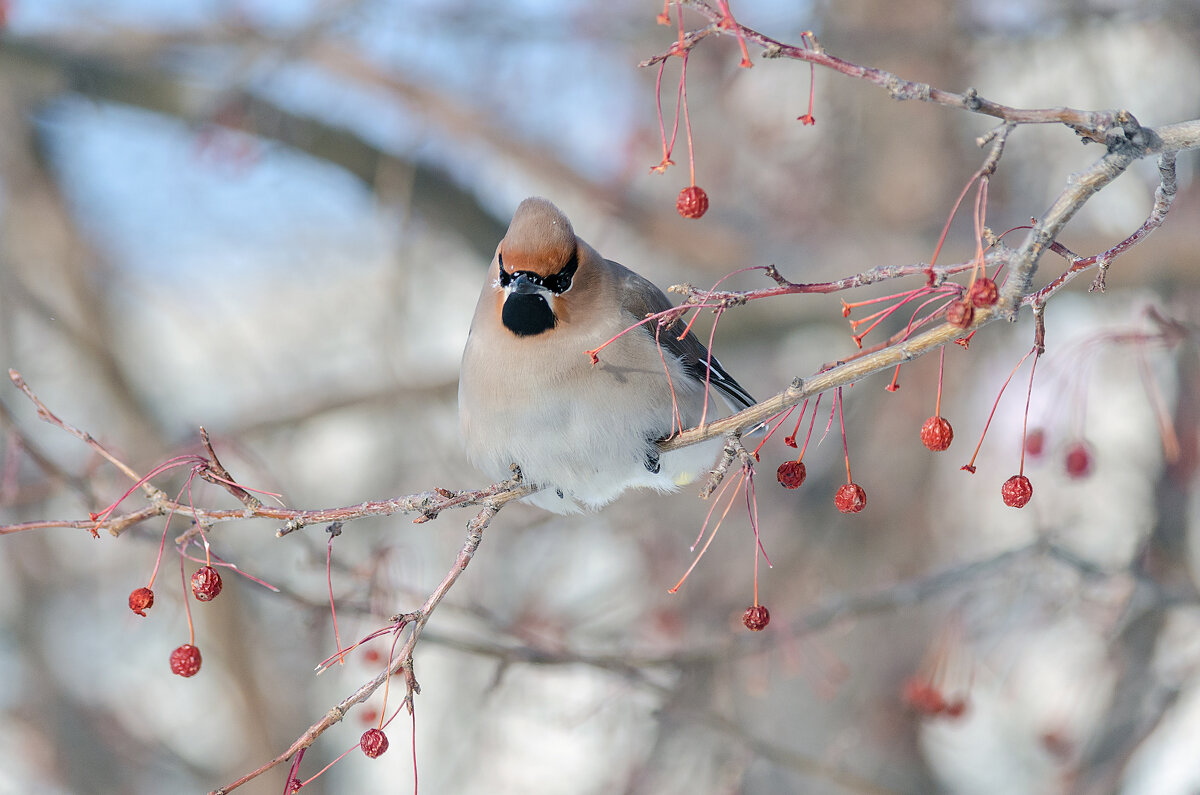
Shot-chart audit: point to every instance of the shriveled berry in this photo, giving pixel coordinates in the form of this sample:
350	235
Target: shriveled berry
937	433
791	474
185	661
373	742
1017	491
983	292
141	600
692	202
850	498
206	583
1035	442
756	618
1078	460
960	313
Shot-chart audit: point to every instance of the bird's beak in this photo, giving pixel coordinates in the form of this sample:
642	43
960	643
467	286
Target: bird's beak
523	285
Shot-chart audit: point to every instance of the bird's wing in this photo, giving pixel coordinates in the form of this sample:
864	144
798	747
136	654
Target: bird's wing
640	297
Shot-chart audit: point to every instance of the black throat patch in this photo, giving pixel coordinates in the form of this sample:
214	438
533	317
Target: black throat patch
526	314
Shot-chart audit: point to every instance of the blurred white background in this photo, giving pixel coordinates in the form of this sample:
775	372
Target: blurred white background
272	218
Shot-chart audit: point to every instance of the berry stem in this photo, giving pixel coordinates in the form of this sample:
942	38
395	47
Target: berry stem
687	117
808	118
412	713
667	147
713	534
842	423
937	405
187	604
676	417
953	212
756	576
665	17
970	467
895	384
752	510
771	432
1025	419
337	639
811	423
980	216
323	770
387	682
729	22
712	336
799	419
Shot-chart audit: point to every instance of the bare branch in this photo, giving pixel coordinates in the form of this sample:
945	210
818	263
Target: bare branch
403	660
1098	126
49	416
218	475
841	375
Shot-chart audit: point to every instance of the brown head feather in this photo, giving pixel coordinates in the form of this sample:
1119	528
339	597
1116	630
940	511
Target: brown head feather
539	240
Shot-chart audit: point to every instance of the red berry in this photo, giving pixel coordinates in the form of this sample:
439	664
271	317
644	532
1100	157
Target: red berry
185	661
983	292
1078	460
850	498
756	618
960	313
922	696
956	708
791	474
206	583
937	433
692	202
1017	491
1035	442
373	742
141	600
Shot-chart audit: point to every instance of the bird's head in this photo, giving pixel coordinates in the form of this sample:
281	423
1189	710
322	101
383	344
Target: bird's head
537	262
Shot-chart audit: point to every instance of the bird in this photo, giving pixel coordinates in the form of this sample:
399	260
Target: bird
583	428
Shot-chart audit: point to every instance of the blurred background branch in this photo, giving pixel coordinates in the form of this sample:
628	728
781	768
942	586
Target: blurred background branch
271	218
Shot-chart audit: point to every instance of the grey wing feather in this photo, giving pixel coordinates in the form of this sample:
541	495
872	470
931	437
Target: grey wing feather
641	298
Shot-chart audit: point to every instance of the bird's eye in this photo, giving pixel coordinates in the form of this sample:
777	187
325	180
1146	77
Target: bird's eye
561	282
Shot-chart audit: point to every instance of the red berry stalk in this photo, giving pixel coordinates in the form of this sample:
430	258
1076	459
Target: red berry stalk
937	433
850	497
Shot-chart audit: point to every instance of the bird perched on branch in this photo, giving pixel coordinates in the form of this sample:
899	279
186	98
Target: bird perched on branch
583	426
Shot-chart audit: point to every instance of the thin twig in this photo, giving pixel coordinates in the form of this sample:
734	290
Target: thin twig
402	661
1097	126
50	417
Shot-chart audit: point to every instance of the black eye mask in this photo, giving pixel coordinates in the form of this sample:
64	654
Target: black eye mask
557	283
